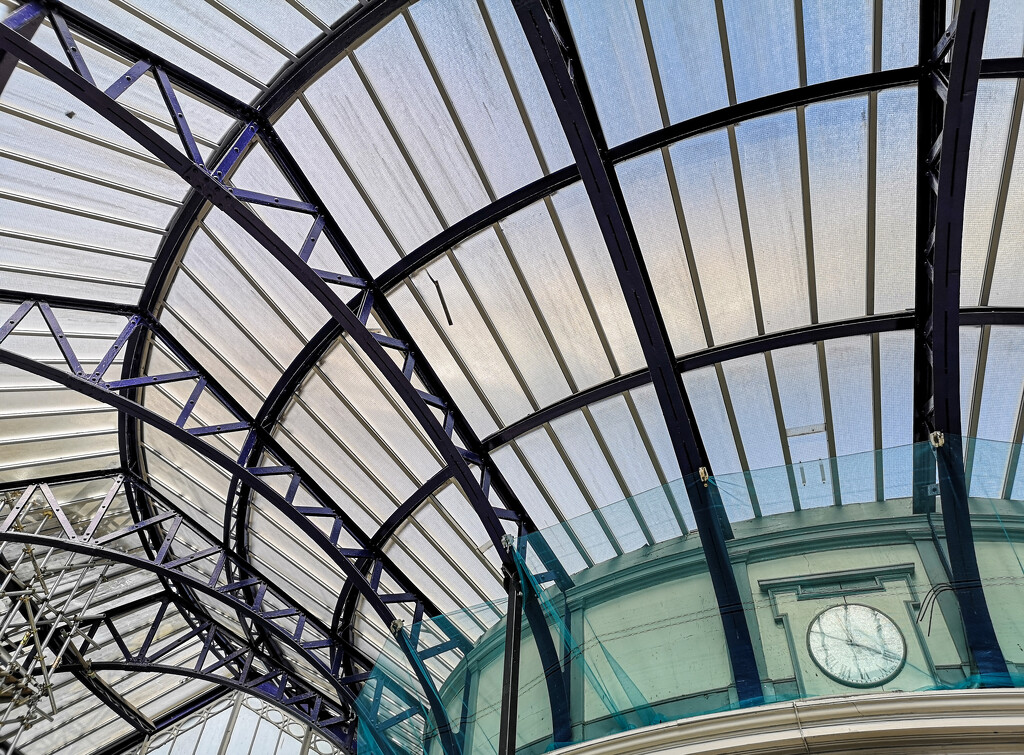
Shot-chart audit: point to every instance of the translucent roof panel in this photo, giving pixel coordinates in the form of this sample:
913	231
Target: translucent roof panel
651	63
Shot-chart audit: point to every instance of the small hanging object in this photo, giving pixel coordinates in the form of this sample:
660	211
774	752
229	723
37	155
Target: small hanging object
440	295
508	541
703	472
937	438
396	626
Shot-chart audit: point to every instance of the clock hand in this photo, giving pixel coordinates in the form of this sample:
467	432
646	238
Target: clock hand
850	641
854	643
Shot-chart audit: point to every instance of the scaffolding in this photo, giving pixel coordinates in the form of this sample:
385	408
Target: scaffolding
43	600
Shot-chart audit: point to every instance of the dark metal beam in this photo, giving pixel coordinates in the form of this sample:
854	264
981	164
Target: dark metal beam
25	20
929	128
562	72
944	142
857	326
508	714
121	45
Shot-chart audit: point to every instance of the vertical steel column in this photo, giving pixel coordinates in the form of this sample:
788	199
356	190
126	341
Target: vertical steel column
944	140
929	129
510	678
562	71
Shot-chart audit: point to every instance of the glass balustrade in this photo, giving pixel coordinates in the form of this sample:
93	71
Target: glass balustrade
845	578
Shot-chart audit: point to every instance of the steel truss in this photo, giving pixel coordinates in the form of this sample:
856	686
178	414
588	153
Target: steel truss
946	103
422	403
247	588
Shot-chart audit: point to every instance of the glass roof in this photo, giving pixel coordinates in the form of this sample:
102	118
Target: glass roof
767	158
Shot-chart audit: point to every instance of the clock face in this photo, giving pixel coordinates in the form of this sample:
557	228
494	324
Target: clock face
856	645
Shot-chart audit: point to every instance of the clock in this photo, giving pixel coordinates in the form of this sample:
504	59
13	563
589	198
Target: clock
856	645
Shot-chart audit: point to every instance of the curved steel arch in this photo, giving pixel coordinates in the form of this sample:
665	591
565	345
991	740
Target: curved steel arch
856	326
